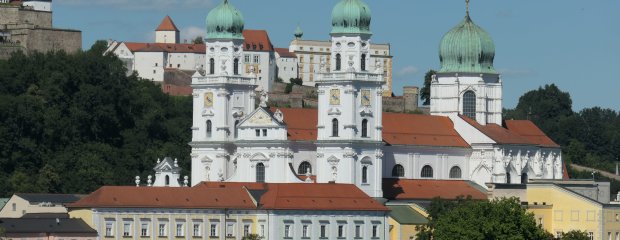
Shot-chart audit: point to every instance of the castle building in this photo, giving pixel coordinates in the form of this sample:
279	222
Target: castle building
313	57
349	139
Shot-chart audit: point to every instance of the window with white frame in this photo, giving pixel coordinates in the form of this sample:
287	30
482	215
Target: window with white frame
375	231
288	232
358	231
341	231
304	231
262	230
161	229
180	232
256	59
591	235
213	230
144	229
246	230
427	172
230	229
247	58
323	231
196	230
126	229
455	172
109	228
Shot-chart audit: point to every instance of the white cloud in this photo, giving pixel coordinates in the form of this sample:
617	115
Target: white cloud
191	32
140	4
406	71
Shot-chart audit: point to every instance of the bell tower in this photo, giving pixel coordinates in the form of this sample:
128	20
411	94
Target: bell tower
350	105
222	96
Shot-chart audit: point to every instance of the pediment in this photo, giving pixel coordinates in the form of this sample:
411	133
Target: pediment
260	118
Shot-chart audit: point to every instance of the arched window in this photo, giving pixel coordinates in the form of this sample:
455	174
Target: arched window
209	128
398	171
260	172
427	172
212	66
508	178
455	172
236	66
335	127
338	62
167	180
304	168
365	174
524	178
236	129
469	104
363	63
365	128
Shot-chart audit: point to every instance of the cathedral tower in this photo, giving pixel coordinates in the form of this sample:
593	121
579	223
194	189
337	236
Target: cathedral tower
350	104
222	96
467	84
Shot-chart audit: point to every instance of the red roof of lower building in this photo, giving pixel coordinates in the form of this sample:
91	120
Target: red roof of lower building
497	133
167	25
257	41
425	189
531	132
166	47
285	53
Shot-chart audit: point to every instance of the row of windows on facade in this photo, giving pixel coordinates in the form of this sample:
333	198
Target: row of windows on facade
341	231
335	128
180	229
209	130
328	49
427	172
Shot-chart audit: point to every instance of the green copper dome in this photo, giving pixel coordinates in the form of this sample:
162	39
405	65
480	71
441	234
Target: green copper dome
351	16
298	33
225	22
467	48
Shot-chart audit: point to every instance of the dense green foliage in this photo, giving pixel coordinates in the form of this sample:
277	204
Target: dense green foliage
590	137
293	81
575	235
72	123
469	219
252	237
425	92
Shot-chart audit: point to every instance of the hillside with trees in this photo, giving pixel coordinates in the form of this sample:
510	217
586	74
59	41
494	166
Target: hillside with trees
74	122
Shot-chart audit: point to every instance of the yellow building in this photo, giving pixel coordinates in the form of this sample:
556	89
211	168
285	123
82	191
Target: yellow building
403	221
570	205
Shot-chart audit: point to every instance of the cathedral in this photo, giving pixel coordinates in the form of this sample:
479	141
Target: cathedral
349	139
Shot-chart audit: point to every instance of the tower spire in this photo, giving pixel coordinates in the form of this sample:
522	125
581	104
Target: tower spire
467	6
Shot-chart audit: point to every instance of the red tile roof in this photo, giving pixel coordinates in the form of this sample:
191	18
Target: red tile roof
498	133
398	129
257	41
422	189
212	195
284	53
531	132
167	197
305	196
167	25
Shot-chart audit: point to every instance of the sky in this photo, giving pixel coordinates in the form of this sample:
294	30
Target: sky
574	44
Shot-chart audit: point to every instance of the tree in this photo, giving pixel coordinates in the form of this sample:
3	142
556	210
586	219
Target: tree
252	237
469	219
198	40
425	92
575	235
293	81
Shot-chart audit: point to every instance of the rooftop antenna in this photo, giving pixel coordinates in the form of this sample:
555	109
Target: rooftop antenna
467	5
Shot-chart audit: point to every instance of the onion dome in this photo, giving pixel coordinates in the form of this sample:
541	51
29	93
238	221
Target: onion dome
298	33
351	17
467	48
225	22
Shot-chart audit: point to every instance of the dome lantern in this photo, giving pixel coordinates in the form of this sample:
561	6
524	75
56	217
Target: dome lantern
351	17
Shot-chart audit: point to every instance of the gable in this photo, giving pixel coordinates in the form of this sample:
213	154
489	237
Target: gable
260	118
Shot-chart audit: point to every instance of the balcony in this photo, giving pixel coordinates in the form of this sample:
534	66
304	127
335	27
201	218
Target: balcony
349	76
213	80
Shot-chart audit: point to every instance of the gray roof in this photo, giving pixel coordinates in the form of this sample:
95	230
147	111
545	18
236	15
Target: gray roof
46	197
46	215
48	225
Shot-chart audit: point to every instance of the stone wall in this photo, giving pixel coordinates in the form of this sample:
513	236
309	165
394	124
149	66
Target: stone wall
12	15
7	49
45	40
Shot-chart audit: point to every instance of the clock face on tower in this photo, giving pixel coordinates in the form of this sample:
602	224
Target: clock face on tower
209	99
334	97
366	98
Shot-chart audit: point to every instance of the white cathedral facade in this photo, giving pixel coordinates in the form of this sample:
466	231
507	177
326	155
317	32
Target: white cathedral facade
348	139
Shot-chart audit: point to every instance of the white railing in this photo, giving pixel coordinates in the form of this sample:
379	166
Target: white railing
224	79
344	76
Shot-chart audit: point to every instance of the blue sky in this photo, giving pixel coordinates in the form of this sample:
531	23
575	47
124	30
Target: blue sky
574	44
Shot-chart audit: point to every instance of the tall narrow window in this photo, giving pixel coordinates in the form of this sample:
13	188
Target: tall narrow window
236	129
211	66
260	172
335	127
304	168
209	128
338	62
524	178
363	63
398	171
365	128
469	104
365	174
427	172
455	172
236	66
167	180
